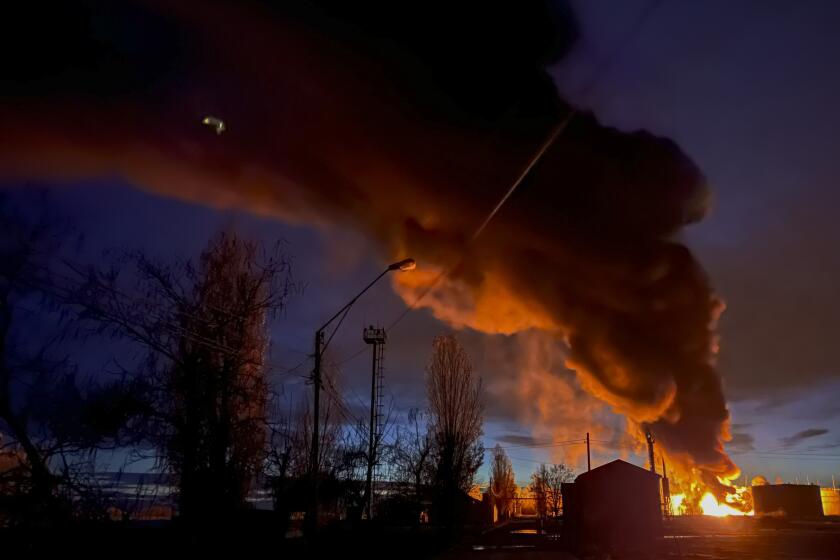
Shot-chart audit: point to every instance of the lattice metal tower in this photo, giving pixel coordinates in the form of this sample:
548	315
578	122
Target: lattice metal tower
376	337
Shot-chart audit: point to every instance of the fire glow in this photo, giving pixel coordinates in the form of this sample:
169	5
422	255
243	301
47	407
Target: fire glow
709	505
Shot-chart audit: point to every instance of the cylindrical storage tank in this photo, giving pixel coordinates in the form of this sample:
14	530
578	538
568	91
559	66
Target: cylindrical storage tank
788	500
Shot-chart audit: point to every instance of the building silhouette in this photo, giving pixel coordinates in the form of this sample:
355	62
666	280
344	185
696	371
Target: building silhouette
612	507
788	500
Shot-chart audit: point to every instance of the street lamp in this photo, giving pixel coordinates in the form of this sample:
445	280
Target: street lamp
403	265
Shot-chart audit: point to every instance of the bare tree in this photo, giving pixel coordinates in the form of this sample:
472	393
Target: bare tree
26	246
539	489
502	485
456	410
412	452
205	326
217	391
546	485
287	459
341	460
53	425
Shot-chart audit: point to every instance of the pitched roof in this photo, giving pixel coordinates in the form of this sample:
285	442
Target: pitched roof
615	468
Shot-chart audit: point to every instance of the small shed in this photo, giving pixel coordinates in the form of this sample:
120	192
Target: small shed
612	507
801	501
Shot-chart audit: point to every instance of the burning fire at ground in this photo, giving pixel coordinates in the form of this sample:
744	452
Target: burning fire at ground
738	503
710	506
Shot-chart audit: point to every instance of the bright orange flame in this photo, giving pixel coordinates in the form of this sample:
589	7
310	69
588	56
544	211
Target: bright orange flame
710	506
692	494
678	505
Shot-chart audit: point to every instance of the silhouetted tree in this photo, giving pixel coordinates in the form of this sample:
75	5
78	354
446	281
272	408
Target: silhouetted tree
412	453
206	328
546	485
25	247
456	414
216	393
502	485
53	427
287	460
539	489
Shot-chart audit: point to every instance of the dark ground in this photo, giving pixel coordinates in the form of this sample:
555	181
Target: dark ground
691	538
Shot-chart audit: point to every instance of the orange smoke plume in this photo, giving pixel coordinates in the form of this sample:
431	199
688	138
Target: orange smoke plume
358	117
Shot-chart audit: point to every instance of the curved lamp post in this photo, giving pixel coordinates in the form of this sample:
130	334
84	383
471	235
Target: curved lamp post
320	348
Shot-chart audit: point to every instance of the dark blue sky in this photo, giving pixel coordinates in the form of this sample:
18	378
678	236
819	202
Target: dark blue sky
749	91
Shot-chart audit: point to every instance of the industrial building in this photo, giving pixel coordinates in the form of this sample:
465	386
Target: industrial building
612	507
800	501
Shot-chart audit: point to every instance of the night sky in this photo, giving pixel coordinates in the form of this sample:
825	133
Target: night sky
747	90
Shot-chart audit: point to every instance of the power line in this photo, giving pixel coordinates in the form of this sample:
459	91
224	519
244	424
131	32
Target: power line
133	298
813	456
791	456
527	460
618	445
769	453
178	329
353	356
289	371
546	445
351	418
153	309
347	416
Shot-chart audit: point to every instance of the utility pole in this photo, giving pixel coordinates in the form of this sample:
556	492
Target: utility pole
376	338
650	442
312	521
320	348
666	491
588	459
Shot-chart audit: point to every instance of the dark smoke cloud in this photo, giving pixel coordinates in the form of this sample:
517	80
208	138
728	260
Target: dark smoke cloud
741	441
799	437
406	120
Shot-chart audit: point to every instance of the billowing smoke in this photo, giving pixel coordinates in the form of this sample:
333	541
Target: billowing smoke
408	121
538	391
